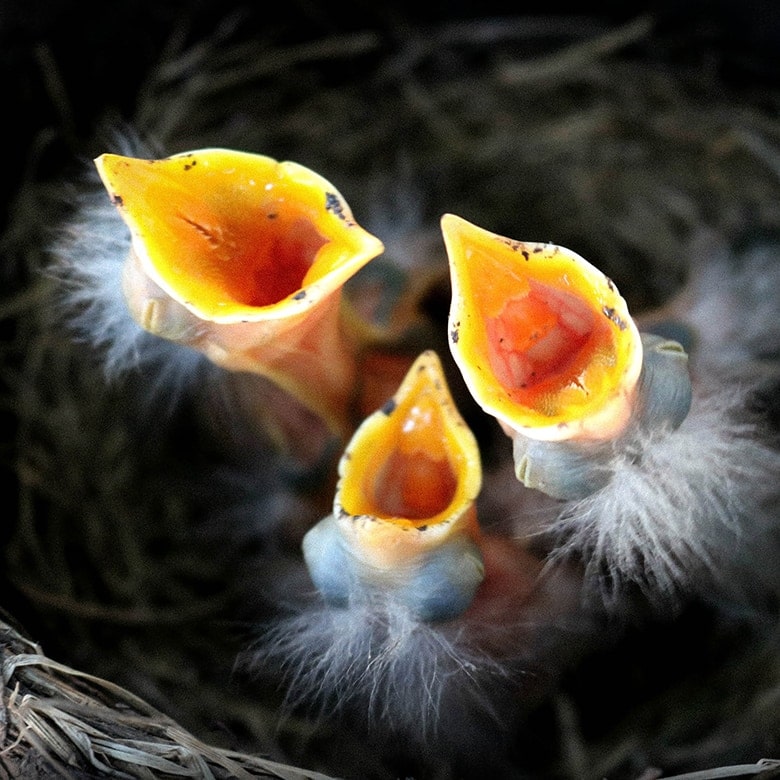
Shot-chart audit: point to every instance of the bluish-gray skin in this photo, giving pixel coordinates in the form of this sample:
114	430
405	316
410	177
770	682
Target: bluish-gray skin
439	584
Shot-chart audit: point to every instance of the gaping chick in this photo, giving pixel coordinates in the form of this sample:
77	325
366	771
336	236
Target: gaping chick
424	624
665	469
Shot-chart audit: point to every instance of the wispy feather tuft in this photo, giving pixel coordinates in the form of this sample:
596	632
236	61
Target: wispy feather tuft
401	682
456	688
696	508
87	257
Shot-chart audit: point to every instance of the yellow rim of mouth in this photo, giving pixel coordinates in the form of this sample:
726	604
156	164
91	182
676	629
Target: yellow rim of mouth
543	339
413	465
235	236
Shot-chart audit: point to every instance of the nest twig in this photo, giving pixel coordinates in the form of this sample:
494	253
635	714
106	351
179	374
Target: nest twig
60	722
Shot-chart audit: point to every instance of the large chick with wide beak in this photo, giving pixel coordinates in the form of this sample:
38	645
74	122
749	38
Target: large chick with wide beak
244	259
546	345
659	479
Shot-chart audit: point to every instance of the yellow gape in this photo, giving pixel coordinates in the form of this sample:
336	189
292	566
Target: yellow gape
244	258
546	345
543	339
404	520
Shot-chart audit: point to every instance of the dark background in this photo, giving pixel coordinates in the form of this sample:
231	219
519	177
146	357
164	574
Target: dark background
64	63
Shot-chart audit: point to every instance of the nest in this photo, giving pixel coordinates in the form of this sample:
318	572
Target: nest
140	550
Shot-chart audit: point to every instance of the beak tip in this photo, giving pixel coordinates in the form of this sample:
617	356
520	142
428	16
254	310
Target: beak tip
452	226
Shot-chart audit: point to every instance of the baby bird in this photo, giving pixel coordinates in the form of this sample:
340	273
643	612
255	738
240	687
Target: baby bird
243	260
665	476
424	623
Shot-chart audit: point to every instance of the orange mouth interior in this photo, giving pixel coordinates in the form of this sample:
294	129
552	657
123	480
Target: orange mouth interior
226	233
416	481
257	260
410	463
546	347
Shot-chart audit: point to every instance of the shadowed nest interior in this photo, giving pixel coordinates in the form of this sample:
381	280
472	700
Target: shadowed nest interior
142	550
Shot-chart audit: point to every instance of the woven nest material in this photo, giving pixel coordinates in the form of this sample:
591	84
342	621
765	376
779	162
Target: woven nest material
57	718
143	551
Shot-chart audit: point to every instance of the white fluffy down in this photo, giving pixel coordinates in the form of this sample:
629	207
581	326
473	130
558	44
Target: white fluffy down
88	256
684	509
695	511
432	686
377	655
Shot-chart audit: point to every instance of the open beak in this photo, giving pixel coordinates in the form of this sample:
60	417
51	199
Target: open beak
244	258
546	345
543	339
404	522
